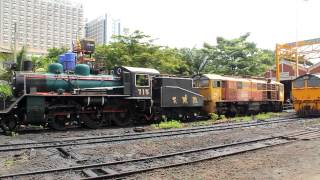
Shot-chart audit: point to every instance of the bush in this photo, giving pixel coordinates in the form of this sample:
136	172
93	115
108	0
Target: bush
214	116
168	124
41	70
222	117
5	91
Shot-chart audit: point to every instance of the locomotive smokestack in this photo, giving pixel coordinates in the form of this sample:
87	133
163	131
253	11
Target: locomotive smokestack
27	65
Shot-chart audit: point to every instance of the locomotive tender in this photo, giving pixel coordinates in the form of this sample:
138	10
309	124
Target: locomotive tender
59	99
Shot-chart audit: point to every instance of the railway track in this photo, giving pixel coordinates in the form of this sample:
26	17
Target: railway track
129	167
137	136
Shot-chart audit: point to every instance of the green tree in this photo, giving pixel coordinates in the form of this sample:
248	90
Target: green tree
266	59
40	63
138	50
171	61
53	53
237	57
21	56
5	56
195	59
4	74
230	56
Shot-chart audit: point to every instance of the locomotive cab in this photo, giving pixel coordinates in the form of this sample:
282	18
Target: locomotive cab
305	91
137	81
210	86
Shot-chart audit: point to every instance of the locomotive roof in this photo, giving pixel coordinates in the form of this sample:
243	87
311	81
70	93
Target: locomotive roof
315	75
230	78
141	70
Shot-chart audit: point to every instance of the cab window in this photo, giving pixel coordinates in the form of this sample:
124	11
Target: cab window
223	84
126	77
195	83
216	84
239	85
313	82
298	83
142	80
204	83
244	85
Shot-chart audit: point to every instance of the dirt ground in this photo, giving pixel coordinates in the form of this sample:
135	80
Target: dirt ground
35	134
153	147
297	161
300	160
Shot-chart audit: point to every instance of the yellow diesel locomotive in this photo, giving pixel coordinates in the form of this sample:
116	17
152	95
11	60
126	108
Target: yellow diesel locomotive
233	95
306	95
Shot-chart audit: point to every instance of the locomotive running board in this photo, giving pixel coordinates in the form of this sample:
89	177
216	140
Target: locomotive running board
99	88
147	98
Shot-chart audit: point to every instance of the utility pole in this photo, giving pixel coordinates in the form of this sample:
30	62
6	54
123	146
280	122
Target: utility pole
297	50
15	42
277	62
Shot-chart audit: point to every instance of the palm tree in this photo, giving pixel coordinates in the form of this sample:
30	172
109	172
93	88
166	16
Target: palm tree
21	56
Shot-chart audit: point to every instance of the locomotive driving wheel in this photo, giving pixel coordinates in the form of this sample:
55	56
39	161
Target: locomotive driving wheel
91	121
9	123
121	119
58	123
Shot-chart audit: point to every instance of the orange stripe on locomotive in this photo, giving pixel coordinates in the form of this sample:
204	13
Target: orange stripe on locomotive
223	93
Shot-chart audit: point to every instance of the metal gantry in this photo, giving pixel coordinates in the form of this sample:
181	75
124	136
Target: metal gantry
299	51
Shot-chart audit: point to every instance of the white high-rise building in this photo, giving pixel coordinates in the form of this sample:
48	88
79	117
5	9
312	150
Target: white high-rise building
102	29
40	24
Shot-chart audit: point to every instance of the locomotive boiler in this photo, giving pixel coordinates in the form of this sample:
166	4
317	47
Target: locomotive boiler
58	81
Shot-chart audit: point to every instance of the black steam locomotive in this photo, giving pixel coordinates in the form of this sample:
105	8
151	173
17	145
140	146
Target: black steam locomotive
58	99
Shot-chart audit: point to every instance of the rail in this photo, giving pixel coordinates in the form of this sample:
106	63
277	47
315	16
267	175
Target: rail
116	169
138	136
287	106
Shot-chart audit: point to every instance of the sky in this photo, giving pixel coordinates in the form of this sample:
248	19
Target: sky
190	23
